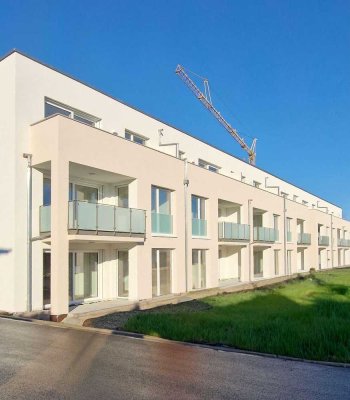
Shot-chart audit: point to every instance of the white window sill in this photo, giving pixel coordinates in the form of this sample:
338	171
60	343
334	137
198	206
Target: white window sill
163	235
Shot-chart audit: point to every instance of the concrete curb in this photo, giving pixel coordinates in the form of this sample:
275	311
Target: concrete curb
140	336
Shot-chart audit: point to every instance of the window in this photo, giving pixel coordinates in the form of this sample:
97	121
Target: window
162	222
47	192
276	261
208	166
161	203
123	196
161	272
83	275
256	184
295	197
198	269
123	274
133	137
198	207
289	261
199	224
275	221
305	203
53	107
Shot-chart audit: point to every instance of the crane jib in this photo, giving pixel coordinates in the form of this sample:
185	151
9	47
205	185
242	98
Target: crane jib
180	71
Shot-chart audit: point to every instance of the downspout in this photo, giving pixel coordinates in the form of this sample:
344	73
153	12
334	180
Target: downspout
332	258
286	269
251	238
29	230
186	183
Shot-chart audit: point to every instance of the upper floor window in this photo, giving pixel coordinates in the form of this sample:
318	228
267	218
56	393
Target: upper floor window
208	166
133	137
181	155
53	107
256	184
305	203
161	200
198	207
123	196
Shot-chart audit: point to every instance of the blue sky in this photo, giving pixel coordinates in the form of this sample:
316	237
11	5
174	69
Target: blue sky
279	71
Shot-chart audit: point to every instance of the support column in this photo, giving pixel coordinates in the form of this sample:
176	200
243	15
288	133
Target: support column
59	239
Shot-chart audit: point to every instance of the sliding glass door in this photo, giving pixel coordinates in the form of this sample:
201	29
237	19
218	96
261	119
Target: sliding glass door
123	273
83	275
161	272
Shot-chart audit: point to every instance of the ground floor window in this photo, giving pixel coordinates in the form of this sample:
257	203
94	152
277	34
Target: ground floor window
289	261
123	274
161	271
46	278
277	261
258	263
198	269
83	275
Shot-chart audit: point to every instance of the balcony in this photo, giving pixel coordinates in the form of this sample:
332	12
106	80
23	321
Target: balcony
262	234
233	231
162	223
199	227
323	240
344	242
304	238
96	217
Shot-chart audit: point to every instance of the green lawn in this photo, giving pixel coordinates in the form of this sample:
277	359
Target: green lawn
308	318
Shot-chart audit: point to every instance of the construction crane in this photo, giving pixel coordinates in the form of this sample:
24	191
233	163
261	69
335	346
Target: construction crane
205	99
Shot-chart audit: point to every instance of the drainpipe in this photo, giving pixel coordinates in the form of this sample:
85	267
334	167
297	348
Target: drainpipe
286	269
186	183
332	258
29	230
251	238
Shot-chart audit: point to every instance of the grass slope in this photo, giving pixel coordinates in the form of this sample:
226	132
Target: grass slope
307	318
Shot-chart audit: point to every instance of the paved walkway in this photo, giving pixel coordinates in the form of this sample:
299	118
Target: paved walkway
80	313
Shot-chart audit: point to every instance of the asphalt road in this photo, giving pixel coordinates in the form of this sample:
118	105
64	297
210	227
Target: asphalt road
44	362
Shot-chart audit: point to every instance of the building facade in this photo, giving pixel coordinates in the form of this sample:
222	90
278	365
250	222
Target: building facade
102	201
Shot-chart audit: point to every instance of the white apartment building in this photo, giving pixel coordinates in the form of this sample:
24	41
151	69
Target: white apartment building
113	203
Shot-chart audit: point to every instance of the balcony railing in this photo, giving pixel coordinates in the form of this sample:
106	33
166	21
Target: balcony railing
199	227
96	217
233	231
262	234
304	238
323	240
45	219
162	223
344	242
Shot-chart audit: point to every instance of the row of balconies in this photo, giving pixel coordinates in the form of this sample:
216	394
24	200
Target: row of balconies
85	216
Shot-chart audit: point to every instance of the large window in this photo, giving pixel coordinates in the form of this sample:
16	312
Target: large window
83	275
199	223
276	261
133	137
83	193
198	207
123	274
52	107
161	272
161	211
198	269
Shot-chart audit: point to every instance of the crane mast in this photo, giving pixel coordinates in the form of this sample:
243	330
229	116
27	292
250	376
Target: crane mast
205	99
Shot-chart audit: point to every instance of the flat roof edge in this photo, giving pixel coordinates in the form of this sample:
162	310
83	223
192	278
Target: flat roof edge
14	50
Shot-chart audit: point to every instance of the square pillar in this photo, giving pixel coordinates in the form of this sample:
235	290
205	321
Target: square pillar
59	239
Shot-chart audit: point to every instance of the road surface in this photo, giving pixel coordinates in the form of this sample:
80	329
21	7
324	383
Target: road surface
45	362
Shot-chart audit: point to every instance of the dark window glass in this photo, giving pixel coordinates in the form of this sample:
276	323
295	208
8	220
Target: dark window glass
50	109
